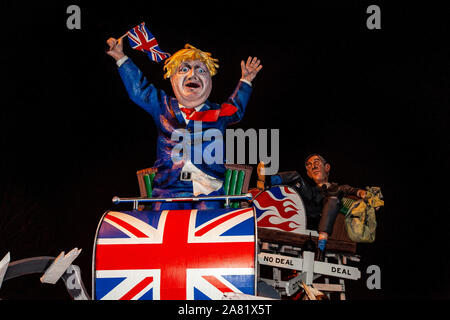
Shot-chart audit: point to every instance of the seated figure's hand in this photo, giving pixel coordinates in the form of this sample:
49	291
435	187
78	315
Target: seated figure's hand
361	193
261	172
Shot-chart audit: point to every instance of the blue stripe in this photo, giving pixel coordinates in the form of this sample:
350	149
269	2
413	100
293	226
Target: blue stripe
104	285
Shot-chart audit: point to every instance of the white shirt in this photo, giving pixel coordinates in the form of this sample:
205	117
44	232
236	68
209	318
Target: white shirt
202	183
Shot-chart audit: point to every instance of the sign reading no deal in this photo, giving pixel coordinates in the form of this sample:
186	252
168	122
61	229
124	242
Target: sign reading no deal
329	269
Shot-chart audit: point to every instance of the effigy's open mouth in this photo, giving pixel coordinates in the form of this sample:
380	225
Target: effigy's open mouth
193	85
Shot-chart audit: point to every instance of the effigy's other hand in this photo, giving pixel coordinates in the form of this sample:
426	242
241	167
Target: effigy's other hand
251	68
115	48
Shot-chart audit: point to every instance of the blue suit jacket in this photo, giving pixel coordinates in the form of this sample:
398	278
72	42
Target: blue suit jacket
168	118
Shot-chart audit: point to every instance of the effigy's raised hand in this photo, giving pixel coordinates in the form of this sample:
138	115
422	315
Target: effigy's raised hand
115	48
251	68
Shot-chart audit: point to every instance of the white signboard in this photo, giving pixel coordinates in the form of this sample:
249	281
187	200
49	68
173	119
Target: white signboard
276	260
324	268
337	270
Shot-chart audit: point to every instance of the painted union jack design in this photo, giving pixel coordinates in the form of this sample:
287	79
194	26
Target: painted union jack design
175	254
280	208
141	38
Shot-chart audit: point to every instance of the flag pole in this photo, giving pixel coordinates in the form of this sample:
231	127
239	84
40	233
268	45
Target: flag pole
123	36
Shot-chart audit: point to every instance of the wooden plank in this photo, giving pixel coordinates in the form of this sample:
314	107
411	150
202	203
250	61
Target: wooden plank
59	266
339	232
329	287
293	239
4	266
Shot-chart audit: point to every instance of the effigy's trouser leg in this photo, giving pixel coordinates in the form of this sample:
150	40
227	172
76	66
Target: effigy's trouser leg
330	211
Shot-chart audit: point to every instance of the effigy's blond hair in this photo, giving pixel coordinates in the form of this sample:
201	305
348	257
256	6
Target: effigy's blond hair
189	53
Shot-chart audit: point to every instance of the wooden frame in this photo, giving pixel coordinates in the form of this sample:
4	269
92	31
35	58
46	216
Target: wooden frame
338	241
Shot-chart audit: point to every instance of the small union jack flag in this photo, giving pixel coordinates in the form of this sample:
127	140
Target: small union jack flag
141	38
175	254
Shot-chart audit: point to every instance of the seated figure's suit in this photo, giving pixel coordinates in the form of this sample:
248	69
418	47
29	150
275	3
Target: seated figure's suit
166	113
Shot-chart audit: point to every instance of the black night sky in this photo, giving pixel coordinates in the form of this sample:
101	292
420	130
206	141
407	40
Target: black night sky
374	102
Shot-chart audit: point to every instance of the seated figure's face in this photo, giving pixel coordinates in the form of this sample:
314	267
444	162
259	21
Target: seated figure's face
317	170
191	83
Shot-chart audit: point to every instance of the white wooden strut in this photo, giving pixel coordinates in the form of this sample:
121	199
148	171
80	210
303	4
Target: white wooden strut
59	266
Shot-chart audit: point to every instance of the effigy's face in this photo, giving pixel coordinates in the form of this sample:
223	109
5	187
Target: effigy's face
191	83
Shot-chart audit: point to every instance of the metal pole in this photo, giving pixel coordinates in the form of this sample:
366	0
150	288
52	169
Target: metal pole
136	201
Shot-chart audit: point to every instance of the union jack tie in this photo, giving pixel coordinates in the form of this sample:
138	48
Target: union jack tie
226	109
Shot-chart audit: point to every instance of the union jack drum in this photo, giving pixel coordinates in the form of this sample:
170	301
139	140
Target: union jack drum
280	208
174	254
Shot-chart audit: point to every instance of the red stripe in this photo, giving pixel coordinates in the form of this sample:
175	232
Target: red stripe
160	256
137	288
127	226
205	229
217	283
